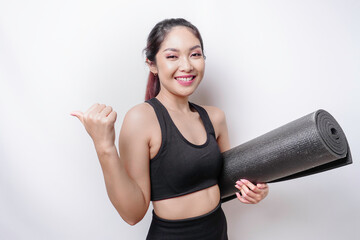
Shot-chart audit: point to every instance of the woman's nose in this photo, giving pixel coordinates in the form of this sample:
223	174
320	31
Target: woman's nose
185	65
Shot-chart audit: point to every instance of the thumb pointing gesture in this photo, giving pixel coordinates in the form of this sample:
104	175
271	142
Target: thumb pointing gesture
99	122
79	115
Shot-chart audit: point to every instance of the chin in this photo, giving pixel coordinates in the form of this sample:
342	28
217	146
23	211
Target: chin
186	93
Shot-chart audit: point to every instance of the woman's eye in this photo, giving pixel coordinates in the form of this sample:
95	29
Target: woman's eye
196	54
171	57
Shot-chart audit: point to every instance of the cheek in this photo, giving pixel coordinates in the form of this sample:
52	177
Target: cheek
200	66
167	67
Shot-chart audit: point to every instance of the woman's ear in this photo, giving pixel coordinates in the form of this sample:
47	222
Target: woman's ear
152	66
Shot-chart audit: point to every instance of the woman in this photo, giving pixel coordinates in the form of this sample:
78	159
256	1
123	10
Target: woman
170	149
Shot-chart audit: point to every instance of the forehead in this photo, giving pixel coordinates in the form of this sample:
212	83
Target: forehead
180	38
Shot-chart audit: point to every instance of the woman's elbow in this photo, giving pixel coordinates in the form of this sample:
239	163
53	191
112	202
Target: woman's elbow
133	222
133	218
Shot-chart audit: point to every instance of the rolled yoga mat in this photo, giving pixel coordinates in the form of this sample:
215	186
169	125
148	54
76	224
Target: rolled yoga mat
308	145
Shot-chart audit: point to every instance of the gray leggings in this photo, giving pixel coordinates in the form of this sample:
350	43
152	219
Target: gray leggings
210	226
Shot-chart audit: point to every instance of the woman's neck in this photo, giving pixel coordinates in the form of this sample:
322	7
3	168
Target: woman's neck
173	102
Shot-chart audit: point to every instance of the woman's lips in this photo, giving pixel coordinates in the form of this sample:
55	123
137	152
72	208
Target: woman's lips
185	80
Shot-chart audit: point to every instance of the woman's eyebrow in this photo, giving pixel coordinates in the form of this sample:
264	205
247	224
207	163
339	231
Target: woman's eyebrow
194	47
177	50
171	49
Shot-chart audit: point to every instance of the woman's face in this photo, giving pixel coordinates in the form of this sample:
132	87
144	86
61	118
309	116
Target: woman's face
180	63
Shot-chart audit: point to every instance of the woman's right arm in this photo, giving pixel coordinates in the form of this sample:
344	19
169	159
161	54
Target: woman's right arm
126	177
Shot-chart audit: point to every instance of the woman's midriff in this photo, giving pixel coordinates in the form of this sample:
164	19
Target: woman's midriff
189	205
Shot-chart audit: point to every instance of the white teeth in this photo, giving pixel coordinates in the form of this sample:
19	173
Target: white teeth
185	79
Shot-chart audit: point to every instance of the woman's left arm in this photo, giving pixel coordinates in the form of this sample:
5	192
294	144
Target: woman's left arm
250	193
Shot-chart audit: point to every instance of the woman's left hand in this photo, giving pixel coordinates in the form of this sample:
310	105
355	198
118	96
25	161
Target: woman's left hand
251	193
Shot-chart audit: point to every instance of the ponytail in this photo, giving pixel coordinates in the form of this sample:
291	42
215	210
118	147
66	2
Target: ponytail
153	86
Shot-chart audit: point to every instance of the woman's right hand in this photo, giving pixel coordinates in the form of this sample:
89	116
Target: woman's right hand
99	122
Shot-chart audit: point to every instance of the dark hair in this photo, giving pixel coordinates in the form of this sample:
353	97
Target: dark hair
154	41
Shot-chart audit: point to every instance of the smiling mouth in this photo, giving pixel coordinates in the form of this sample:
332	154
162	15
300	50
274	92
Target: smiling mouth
185	78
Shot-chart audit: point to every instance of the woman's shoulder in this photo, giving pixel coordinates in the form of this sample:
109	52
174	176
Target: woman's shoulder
139	124
217	117
216	114
140	113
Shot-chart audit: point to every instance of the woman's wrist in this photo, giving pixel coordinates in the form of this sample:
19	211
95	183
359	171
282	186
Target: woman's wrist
103	148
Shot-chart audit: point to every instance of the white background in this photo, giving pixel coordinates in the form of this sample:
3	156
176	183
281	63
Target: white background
268	63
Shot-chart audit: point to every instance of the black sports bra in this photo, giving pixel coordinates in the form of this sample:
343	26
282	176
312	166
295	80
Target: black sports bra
181	167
